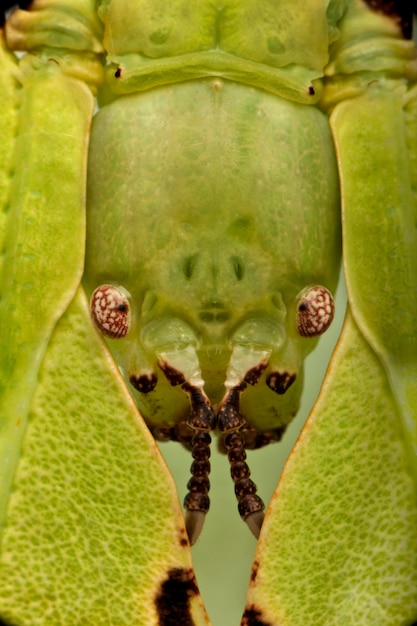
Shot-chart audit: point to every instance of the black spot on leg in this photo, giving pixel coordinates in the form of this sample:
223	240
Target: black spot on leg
253	375
143	383
269	436
280	381
173	376
163	433
174	596
253	617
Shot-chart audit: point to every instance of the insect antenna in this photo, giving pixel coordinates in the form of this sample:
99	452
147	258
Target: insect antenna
197	501
230	421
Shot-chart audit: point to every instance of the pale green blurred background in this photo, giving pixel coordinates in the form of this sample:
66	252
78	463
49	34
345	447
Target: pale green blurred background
223	555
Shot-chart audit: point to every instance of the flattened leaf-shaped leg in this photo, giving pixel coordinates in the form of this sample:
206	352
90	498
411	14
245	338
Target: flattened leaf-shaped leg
375	136
94	531
8	124
44	232
338	542
91	530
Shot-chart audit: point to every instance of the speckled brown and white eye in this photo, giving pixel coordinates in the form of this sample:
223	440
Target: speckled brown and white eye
110	310
315	311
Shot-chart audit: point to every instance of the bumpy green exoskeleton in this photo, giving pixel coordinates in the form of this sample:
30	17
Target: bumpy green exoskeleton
219	266
229	140
223	267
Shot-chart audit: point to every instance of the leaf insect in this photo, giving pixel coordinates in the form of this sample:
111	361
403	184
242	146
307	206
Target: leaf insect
214	177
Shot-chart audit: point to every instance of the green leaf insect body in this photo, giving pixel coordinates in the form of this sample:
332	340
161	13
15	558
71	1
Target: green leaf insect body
238	148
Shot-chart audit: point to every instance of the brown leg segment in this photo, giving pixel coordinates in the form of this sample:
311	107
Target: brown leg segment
230	421
250	505
197	501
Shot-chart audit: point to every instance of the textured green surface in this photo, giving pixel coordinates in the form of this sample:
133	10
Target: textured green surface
186	182
338	546
267	44
8	123
45	229
380	233
93	523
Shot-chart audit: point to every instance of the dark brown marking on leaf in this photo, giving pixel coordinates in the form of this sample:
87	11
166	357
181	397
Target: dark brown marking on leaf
4	623
311	91
254	571
253	617
118	72
144	382
183	538
400	11
184	543
174	596
173	376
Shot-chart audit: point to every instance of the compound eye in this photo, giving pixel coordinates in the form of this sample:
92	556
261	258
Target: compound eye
110	310
315	311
